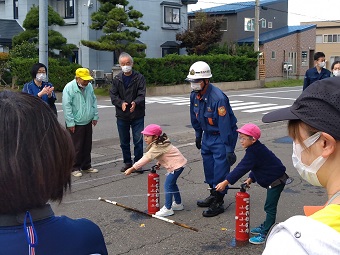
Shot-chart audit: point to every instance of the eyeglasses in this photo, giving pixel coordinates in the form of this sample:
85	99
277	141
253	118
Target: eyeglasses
242	139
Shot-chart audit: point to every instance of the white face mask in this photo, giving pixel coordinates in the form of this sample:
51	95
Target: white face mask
308	173
40	77
321	64
126	69
196	86
336	73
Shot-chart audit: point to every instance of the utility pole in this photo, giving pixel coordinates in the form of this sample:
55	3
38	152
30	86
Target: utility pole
257	35
43	32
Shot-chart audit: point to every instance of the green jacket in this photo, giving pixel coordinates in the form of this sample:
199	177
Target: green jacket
80	108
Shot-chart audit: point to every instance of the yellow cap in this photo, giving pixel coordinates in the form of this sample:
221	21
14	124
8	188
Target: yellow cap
84	74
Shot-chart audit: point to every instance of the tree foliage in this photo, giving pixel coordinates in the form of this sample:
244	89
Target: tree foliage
120	24
203	36
56	41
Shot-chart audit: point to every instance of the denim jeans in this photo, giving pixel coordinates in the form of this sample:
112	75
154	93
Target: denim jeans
171	188
137	127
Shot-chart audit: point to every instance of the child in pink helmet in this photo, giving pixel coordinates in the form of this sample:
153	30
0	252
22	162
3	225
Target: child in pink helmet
266	169
168	156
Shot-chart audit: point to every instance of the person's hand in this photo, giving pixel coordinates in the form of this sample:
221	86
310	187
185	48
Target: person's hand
129	171
231	157
221	186
72	129
158	166
124	106
133	106
49	91
248	182
94	122
44	91
198	142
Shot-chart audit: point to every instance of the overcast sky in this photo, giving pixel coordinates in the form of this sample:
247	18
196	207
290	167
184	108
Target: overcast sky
298	10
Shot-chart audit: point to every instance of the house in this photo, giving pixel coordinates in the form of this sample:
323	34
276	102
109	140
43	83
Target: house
165	18
285	51
327	39
288	51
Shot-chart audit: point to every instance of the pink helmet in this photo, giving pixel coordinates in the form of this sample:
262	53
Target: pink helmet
152	129
250	129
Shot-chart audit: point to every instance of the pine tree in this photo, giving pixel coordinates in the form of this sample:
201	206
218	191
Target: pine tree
56	41
120	24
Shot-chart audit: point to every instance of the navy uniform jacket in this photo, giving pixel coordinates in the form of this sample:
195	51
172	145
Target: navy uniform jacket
212	114
313	75
265	167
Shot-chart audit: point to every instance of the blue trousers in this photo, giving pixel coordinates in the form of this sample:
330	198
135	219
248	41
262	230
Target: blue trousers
215	163
171	188
137	127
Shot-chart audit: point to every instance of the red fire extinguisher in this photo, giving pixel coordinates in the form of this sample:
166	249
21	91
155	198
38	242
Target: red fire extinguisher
242	214
153	191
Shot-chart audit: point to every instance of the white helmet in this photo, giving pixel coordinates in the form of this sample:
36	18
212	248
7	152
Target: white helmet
199	70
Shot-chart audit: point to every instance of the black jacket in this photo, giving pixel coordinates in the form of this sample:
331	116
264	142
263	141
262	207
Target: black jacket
135	92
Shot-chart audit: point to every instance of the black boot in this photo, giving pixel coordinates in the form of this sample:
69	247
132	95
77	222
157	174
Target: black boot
216	206
207	201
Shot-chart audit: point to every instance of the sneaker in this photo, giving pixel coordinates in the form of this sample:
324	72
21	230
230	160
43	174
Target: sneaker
77	173
125	167
257	230
91	170
177	207
259	239
165	212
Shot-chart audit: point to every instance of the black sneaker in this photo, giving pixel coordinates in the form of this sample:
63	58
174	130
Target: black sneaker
125	167
206	202
214	209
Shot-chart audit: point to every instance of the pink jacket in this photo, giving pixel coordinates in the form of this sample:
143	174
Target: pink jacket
167	155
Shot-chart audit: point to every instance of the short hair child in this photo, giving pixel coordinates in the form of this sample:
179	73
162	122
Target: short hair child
266	169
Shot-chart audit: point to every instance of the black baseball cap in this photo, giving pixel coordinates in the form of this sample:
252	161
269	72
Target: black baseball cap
318	106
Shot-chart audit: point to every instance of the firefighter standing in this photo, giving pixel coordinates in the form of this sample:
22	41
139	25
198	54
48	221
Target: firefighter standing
215	130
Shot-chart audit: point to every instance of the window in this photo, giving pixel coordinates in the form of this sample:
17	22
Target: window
270	24
249	24
224	25
273	54
263	23
65	8
166	51
171	15
192	23
331	38
304	58
318	39
15	9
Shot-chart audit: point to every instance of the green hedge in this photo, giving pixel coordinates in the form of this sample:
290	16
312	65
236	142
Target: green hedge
60	72
173	69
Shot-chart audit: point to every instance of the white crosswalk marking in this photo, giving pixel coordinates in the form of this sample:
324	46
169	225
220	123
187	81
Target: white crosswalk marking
267	108
237	105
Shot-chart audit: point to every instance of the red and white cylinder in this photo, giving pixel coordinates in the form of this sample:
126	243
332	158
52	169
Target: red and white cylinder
153	192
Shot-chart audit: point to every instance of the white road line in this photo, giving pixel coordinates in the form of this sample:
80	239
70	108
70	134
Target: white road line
284	98
244	103
251	106
267	108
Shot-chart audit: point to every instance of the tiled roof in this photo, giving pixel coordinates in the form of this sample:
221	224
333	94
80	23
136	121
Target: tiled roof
8	29
235	7
277	34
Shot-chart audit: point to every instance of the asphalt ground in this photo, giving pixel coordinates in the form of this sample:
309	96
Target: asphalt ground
128	232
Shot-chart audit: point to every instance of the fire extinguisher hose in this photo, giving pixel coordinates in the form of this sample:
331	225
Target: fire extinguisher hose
147	214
